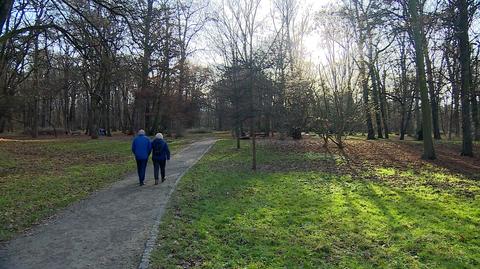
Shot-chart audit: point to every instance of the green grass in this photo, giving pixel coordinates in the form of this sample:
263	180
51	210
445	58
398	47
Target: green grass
225	216
39	177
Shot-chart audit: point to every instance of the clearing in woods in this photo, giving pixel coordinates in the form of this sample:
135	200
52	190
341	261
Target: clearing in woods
373	204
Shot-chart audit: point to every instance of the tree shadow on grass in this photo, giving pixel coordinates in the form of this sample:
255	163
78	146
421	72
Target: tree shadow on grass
434	228
278	218
418	173
431	224
449	158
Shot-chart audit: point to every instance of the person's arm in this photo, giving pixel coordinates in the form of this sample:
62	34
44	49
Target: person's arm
149	147
133	146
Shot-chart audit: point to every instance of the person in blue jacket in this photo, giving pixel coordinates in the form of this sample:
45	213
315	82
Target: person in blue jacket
160	155
141	148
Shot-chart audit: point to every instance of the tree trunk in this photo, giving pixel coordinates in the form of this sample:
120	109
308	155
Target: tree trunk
454	126
141	96
361	28
366	103
475	117
431	89
376	106
383	101
450	127
417	29
252	119
5	9
407	120
35	90
72	111
2	124
403	126
418	116
238	134
455	106
464	58
405	92
66	100
92	118
254	144
375	90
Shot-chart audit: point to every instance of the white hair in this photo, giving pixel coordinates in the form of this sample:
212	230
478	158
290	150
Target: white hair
141	132
159	136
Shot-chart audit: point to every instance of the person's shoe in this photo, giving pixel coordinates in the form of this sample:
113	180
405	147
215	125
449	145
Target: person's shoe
156	181
141	183
163	179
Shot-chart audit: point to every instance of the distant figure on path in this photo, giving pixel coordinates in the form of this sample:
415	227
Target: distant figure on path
160	155
141	148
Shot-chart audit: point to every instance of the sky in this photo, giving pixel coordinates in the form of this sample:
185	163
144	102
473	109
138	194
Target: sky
207	56
312	41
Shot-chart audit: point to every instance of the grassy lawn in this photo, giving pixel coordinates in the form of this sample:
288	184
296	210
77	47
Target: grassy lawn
39	177
312	209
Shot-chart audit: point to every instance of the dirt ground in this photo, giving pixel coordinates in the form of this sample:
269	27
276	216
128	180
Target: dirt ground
360	153
60	136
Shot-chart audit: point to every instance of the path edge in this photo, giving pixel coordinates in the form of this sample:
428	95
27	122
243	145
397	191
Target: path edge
152	238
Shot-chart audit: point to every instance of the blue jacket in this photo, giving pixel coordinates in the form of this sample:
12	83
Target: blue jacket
160	150
141	147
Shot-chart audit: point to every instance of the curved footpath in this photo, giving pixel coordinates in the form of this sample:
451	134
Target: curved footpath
113	228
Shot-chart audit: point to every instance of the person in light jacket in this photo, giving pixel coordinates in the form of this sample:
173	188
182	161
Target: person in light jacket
141	148
160	155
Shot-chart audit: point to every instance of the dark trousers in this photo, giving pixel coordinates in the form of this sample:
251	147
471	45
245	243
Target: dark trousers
141	167
156	165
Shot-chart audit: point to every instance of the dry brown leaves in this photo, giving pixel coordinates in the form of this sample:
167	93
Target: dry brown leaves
361	154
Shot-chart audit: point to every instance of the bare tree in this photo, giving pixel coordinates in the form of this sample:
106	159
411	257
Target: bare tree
359	13
338	83
462	27
416	31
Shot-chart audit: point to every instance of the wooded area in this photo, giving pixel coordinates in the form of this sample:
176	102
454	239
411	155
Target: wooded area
387	69
303	133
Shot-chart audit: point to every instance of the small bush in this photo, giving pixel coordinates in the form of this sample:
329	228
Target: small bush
296	133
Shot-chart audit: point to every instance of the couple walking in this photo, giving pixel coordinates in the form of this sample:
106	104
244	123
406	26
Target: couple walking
142	147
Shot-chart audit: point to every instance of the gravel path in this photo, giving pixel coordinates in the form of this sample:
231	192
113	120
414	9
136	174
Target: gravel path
113	228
